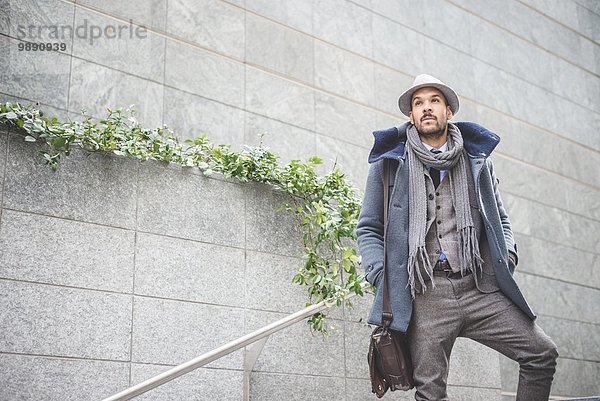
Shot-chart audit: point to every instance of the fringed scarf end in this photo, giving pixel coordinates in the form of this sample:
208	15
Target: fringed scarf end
469	252
415	262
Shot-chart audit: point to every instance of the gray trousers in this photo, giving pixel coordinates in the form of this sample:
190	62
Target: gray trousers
456	308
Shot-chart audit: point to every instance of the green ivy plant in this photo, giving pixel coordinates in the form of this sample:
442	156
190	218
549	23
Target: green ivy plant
326	207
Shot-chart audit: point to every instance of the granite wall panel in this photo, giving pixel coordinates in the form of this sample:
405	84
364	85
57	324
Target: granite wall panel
174	268
516	17
274	387
4	18
113	89
65	252
178	202
552	224
203	73
359	311
573	378
269	283
480	366
34	75
279	99
295	350
569	13
170	332
387	120
150	14
344	120
40	21
535	145
285	140
90	188
332	18
116	43
389	84
212	24
34	21
349	158
27	377
577	378
278	48
269	228
502	48
190	116
561	300
510	95
49	320
296	14
541	186
557	261
387	49
356	346
344	74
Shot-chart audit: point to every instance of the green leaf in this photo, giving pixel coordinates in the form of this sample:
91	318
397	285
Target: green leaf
59	142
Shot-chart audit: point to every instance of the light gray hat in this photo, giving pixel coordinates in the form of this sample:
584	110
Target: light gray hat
422	81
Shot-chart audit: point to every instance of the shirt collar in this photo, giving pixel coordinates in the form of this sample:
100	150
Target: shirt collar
443	148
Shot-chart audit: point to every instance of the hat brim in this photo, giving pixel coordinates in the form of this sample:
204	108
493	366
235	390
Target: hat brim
405	99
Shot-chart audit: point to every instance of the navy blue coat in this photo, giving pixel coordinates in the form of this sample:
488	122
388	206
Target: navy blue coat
390	144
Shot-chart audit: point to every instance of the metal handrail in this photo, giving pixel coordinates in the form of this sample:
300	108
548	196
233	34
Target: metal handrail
221	351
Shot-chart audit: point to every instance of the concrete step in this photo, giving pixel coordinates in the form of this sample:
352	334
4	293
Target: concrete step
594	398
511	397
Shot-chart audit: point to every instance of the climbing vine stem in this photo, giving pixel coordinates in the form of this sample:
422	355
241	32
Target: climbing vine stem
326	207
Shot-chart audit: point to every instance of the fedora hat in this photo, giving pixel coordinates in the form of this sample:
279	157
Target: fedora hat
423	81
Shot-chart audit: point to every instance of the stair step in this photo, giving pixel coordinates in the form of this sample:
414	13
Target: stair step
594	398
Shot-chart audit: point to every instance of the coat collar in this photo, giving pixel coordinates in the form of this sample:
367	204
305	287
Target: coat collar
389	143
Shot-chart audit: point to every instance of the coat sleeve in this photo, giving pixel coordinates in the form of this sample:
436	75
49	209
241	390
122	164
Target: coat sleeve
504	219
369	229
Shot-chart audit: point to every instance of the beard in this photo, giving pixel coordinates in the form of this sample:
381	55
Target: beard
432	131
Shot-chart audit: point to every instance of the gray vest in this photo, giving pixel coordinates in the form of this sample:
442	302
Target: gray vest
441	224
442	234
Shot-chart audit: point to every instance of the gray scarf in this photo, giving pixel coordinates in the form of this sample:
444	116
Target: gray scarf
419	158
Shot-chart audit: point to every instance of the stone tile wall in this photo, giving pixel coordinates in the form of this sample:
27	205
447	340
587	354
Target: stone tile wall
113	270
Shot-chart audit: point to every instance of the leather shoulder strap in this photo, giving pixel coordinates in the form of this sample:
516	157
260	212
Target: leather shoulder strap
386	314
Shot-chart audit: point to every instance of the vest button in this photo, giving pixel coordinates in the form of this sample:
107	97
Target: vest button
430	196
437	194
440	236
439	222
438	207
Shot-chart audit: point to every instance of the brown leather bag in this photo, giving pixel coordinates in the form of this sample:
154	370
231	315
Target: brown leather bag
390	365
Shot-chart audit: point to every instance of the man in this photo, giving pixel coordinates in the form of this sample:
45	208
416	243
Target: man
450	248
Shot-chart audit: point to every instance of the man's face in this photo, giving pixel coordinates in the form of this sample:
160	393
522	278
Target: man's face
429	112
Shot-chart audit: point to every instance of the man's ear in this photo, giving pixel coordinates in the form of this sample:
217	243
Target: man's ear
449	113
410	116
